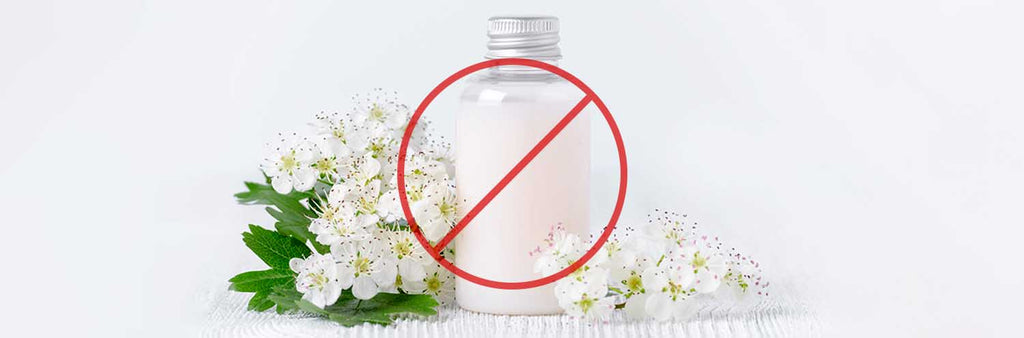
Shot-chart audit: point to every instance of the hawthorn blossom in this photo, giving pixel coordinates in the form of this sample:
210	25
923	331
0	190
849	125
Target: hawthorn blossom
339	222
410	255
560	250
668	287
436	281
436	212
317	279
288	163
365	267
585	294
380	110
708	265
332	130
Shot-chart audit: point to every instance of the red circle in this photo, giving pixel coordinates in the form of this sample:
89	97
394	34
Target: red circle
405	202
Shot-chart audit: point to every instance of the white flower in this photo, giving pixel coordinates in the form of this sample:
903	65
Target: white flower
328	165
636	306
389	205
332	130
363	169
380	109
364	266
410	255
317	279
742	279
668	288
708	265
663	233
288	163
366	199
626	271
339	223
437	282
585	293
561	250
436	212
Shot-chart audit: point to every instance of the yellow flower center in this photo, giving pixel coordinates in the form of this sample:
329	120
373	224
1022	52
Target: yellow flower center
634	283
377	113
361	265
586	303
288	162
433	284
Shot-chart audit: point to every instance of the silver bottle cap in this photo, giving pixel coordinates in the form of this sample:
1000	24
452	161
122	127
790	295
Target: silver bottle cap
531	37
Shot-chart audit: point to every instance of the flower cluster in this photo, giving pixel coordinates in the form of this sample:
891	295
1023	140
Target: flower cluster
348	163
660	272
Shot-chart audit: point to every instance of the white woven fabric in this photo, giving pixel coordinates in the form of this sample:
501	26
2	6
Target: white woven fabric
779	315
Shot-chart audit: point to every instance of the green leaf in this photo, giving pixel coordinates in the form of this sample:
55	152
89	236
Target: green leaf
296	226
285	297
274	248
350	311
263	283
266	195
260	281
380	309
259	301
292	216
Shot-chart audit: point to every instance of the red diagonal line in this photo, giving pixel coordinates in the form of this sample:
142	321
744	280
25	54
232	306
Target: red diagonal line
512	173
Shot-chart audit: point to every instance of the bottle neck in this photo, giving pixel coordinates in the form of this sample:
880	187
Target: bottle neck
516	70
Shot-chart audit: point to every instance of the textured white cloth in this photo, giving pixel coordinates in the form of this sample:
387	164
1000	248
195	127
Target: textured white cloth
778	315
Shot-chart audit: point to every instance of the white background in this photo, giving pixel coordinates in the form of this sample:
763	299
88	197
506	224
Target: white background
868	151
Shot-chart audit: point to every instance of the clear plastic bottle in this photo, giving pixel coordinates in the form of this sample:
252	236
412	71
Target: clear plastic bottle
504	112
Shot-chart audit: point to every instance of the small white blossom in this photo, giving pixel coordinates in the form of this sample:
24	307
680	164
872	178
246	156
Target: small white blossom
668	287
380	110
288	163
410	255
364	266
437	281
708	265
561	249
328	165
363	169
317	279
339	222
585	293
332	130
436	212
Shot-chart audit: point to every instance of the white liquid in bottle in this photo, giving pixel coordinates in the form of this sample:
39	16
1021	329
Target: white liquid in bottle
505	111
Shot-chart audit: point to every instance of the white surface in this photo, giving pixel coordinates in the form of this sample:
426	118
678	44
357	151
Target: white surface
780	316
871	147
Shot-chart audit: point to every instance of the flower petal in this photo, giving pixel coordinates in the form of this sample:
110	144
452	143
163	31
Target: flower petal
282	184
654	279
297	264
364	287
635	306
410	269
304	179
385	276
707	281
659	306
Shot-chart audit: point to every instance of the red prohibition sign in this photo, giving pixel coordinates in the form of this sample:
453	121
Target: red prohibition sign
435	251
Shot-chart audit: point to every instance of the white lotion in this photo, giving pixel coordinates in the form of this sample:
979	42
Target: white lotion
504	113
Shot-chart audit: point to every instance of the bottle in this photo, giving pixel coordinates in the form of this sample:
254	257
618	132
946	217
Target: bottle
504	112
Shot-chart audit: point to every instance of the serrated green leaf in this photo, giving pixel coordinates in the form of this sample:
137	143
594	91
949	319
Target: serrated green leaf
266	195
259	301
296	226
285	297
274	248
380	309
263	280
293	218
